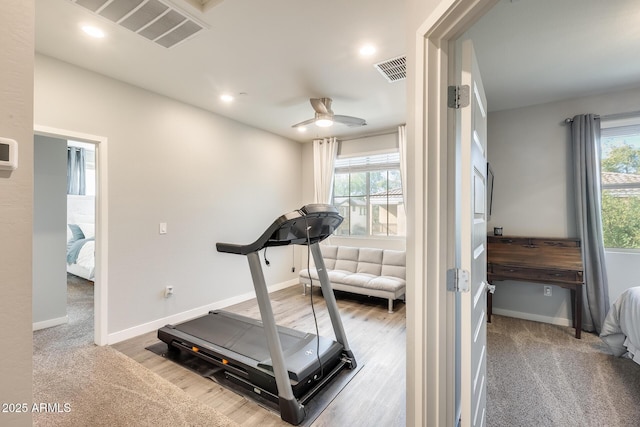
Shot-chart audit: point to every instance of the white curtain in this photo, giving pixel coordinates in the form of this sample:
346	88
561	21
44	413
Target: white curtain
402	150
324	156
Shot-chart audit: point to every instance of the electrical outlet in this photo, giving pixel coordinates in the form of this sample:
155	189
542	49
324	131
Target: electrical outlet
293	269
168	291
547	291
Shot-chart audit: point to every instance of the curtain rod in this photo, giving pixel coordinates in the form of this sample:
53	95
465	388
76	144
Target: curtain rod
611	116
381	133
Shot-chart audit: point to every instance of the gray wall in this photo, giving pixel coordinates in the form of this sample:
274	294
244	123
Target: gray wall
529	152
49	231
16	206
211	179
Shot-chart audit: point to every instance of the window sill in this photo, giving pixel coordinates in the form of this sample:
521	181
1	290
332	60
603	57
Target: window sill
621	251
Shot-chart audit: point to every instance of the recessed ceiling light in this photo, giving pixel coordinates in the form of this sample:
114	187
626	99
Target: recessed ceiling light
93	31
226	98
302	129
367	50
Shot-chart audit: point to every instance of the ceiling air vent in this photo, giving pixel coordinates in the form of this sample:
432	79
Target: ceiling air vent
153	19
393	69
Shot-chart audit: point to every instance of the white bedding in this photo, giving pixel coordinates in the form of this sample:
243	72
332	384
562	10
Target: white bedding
621	328
85	262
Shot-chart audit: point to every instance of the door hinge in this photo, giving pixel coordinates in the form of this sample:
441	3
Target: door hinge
458	96
457	280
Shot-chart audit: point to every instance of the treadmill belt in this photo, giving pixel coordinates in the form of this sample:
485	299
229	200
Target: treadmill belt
239	336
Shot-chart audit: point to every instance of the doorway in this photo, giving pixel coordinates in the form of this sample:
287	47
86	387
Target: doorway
100	225
430	252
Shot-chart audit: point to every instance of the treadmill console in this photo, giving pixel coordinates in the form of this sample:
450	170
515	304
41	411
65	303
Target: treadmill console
308	225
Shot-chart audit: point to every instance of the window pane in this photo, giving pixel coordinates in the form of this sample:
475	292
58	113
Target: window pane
341	184
395	183
358	186
621	155
342	204
378	182
621	219
378	220
358	216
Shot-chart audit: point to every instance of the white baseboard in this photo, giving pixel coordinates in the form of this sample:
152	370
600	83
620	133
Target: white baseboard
50	323
534	317
190	314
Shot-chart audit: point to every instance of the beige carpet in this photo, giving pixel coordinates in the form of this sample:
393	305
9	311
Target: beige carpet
540	375
86	385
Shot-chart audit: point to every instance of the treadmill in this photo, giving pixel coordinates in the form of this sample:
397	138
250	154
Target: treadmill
281	365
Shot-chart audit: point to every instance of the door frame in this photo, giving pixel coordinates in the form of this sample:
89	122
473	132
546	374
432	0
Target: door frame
431	212
100	299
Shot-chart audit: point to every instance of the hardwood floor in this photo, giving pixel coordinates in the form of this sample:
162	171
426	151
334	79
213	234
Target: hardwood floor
375	396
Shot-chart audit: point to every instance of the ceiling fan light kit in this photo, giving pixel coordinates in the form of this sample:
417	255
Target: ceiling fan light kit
323	120
324	116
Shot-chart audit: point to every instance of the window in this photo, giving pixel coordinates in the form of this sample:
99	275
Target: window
620	164
367	192
89	173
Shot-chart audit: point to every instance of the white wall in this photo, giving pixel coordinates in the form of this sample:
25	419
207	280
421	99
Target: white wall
209	178
16	207
49	232
529	151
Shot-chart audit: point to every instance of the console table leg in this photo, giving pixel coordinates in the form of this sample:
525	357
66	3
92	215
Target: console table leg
578	310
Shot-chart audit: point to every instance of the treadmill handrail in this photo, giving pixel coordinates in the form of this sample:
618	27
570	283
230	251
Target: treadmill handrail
321	219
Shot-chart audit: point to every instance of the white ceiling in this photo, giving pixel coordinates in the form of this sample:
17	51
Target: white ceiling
537	51
274	55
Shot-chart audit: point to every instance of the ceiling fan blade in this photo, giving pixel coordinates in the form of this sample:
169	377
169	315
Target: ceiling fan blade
306	122
349	120
320	105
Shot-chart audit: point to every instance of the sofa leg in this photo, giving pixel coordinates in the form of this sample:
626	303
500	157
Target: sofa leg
304	289
390	305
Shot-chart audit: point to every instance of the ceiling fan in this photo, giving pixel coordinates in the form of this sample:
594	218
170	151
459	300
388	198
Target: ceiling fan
324	116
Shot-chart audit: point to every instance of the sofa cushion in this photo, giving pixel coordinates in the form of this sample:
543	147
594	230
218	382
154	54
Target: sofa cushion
358	279
369	261
386	283
394	264
329	254
305	273
338	276
347	259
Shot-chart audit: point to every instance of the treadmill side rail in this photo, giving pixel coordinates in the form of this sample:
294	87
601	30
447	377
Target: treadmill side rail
332	305
290	409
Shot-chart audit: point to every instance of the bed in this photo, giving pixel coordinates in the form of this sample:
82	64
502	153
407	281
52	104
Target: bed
81	250
621	328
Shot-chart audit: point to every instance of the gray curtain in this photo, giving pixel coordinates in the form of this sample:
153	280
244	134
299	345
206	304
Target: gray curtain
76	171
585	138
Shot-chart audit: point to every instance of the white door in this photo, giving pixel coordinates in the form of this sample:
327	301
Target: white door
471	244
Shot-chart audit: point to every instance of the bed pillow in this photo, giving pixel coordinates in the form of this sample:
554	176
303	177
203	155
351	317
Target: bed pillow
88	230
76	232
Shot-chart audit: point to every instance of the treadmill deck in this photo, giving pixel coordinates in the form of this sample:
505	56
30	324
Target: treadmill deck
242	339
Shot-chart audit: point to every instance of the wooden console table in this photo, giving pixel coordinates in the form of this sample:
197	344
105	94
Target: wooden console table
540	260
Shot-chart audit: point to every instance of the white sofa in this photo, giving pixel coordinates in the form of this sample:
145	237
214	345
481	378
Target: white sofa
366	271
